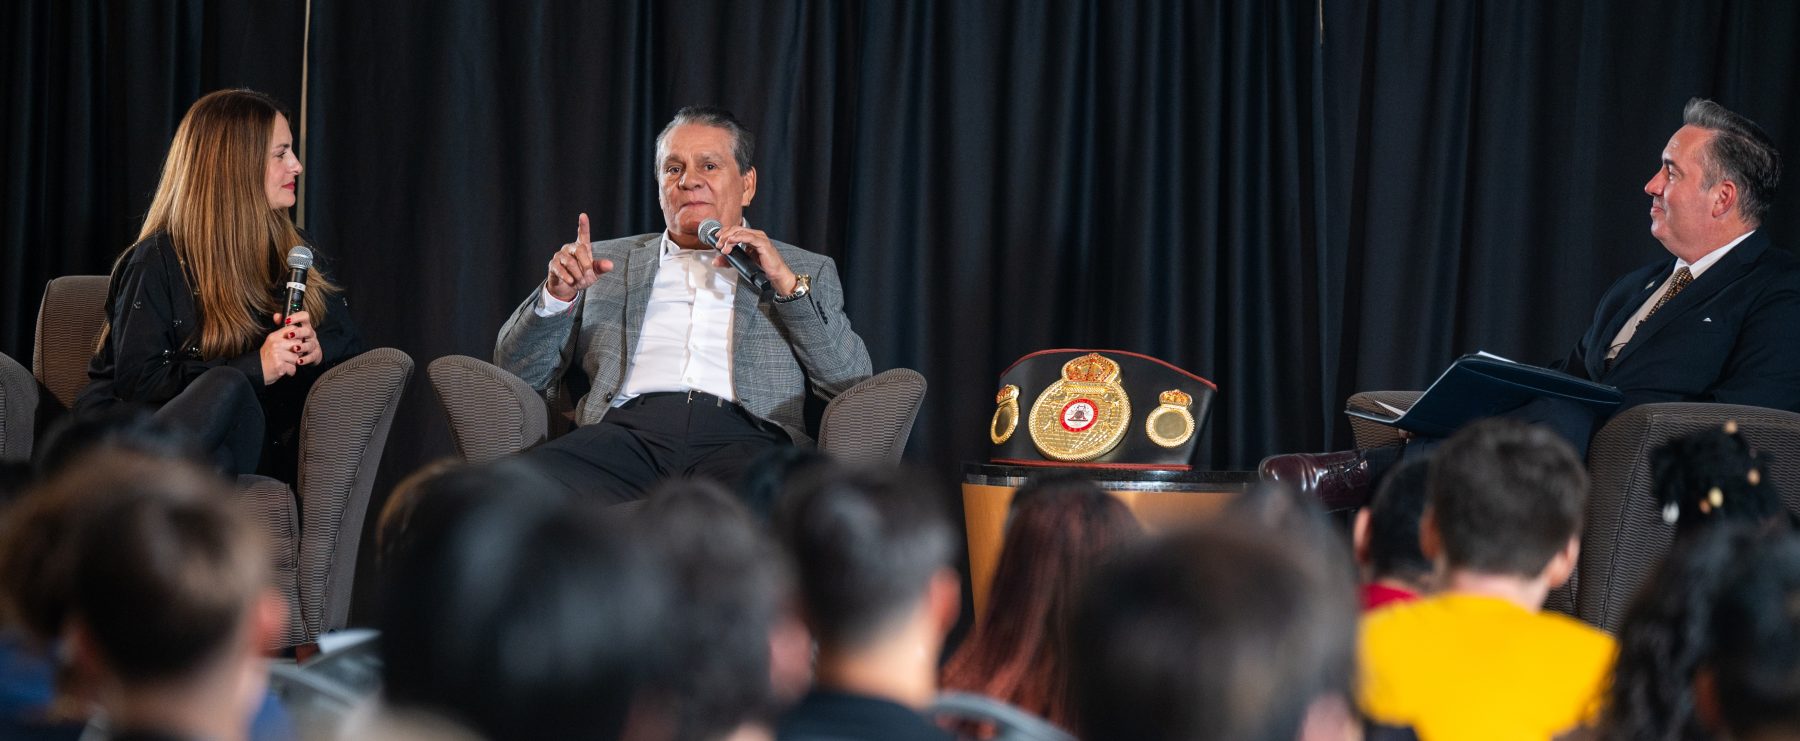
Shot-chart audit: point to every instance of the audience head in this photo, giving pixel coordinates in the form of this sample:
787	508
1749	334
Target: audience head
523	617
443	487
1713	476
1505	498
1387	531
733	584
1752	683
150	577
873	551
769	476
1666	635
1227	632
1058	530
119	429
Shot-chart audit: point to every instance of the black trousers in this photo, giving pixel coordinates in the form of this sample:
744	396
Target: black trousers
221	411
653	437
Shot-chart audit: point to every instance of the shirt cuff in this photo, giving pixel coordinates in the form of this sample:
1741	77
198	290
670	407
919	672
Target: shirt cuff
549	305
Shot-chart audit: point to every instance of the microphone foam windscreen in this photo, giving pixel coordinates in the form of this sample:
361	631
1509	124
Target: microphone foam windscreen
709	232
300	257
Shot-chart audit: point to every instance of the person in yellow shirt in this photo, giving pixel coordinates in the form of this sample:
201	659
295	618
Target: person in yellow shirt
1479	660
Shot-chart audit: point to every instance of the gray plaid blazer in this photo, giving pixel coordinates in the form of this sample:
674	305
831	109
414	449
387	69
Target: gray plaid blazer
777	350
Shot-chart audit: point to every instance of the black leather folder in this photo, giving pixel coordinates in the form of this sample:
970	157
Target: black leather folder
1482	385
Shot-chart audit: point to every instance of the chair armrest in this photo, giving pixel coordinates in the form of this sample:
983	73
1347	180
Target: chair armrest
1011	722
1369	434
18	410
1624	536
492	412
342	435
871	421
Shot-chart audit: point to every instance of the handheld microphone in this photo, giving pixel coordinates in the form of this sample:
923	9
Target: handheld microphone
749	271
300	260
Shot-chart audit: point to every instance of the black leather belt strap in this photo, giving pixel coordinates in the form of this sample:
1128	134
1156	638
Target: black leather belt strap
689	397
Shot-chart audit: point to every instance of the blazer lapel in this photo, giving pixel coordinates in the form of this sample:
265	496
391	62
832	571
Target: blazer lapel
640	278
1596	360
1726	271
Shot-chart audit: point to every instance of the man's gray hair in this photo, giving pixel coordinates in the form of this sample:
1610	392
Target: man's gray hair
1740	152
743	144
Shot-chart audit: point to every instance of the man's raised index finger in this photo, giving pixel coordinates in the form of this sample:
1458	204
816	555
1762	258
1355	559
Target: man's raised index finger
581	230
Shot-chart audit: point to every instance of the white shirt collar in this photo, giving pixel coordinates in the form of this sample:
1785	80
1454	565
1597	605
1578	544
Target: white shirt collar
1699	266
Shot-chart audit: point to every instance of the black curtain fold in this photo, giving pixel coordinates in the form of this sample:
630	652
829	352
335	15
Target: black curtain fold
94	92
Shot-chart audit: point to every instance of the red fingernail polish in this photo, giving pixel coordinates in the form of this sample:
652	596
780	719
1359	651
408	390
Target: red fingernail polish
287	321
290	335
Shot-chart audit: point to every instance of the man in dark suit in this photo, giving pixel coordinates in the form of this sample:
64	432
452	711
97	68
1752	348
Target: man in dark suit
690	371
1719	323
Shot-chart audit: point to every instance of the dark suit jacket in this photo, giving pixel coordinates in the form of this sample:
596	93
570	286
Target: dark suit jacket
1733	336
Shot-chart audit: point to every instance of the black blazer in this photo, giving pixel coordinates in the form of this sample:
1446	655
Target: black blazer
1733	336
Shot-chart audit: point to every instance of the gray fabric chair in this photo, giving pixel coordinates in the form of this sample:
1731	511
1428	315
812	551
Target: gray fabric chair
494	414
343	431
1624	537
18	410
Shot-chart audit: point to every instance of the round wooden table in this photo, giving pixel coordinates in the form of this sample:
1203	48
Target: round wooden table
1159	499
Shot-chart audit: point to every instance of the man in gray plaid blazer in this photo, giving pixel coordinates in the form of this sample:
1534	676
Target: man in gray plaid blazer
691	372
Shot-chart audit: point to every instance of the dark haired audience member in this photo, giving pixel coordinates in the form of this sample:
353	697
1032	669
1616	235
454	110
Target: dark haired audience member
1714	476
157	588
1667	634
1386	538
1480	659
1749	685
734	587
873	550
1057	531
523	618
119	429
769	475
1231	632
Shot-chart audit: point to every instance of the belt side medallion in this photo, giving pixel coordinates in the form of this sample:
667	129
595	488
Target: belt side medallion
1084	415
1006	414
1171	424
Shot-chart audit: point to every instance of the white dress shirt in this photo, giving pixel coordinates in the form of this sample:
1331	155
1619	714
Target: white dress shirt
685	343
1694	269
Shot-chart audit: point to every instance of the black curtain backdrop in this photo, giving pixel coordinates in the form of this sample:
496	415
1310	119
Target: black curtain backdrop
1297	199
1488	161
94	91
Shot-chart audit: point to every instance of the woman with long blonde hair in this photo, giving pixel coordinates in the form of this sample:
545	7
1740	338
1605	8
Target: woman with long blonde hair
193	316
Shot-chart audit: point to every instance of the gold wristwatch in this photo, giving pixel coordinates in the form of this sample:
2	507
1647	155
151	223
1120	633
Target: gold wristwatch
802	286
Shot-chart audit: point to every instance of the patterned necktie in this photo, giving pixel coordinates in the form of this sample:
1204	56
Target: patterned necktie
1681	280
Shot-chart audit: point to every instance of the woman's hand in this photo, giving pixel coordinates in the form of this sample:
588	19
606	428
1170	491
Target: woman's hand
304	339
280	354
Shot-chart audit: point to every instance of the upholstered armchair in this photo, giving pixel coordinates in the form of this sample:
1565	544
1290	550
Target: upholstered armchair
495	414
315	528
1624	537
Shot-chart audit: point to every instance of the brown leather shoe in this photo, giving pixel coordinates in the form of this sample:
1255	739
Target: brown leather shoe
1340	480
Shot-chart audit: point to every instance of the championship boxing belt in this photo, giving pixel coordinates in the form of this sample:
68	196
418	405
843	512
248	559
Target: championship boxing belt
1098	408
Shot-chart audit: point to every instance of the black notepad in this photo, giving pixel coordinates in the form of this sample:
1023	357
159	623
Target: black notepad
1483	385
